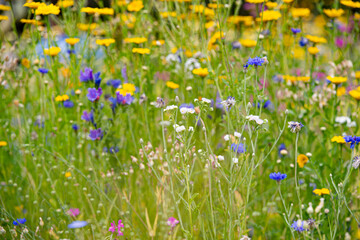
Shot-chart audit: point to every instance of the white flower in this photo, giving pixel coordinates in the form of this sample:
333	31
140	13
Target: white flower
255	118
227	137
191	129
205	100
235	160
237	134
310	209
185	110
220	158
172	58
171	107
343	119
191	64
180	129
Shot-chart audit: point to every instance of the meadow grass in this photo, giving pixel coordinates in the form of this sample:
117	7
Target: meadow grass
180	120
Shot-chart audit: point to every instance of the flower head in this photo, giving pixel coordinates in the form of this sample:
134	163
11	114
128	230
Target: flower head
298	226
117	228
277	176
43	70
238	148
96	134
322	191
302	159
19	221
94	94
295	126
73	212
43	9
256	61
353	140
172	222
295	30
77	224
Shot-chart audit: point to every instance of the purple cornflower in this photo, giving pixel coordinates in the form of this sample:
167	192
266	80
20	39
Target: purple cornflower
68	104
124	100
236	45
94	94
19	221
298	226
117	228
229	102
256	61
295	30
86	75
353	140
172	222
88	116
238	148
43	70
96	134
277	176
281	148
73	212
124	74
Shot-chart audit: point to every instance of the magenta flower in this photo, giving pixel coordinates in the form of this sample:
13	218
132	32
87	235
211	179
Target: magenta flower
172	222
73	212
340	42
117	228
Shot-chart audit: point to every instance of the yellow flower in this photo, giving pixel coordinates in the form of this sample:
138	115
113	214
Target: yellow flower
3	143
355	94
202	72
121	2
256	1
61	98
247	43
72	41
65	72
351	4
313	50
158	42
215	5
86	27
338	139
316	39
322	191
141	50
65	3
340	91
300	12
2	18
53	51
32	5
288	1
30	21
237	19
302	159
136	40
357	74
25	62
135	6
126	88
333	13
68	174
167	14
269	15
101	11
44	9
105	42
271	5
336	80
4	8
172	85
78	92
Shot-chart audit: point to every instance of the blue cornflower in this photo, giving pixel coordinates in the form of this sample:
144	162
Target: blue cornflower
68	104
96	134
238	148
256	61
295	30
86	75
303	42
19	221
43	70
298	226
77	224
353	140
71	51
94	94
115	83
295	126
277	176
236	45
97	79
88	116
75	127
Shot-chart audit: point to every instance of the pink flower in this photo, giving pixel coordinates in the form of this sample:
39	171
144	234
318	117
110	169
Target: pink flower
172	222
340	42
73	212
117	228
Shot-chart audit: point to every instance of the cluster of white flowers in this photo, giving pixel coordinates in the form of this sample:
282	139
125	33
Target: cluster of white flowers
185	110
257	119
171	107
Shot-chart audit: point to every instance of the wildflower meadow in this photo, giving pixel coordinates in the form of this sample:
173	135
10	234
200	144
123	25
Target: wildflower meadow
179	119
